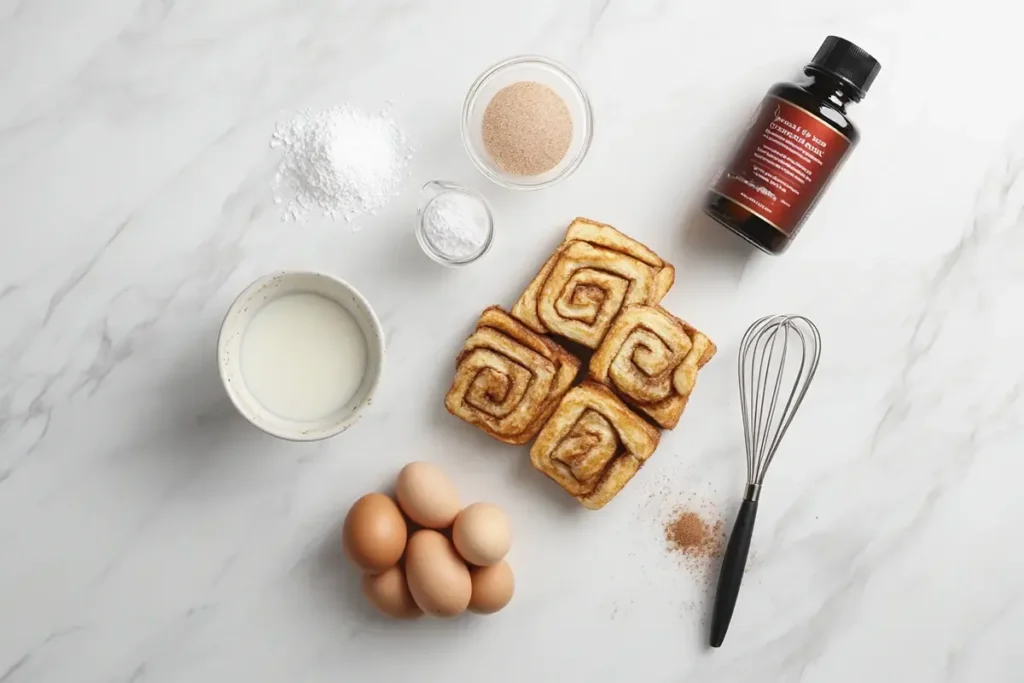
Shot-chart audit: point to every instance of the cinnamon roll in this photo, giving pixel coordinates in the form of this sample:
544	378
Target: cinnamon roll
509	379
595	273
651	359
593	444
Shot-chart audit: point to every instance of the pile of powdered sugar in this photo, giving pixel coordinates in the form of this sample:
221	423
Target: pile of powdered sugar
340	162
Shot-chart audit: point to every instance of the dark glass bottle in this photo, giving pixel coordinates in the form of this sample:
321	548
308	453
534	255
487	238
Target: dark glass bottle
793	146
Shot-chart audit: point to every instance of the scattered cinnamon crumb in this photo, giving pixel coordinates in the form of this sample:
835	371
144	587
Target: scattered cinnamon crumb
695	538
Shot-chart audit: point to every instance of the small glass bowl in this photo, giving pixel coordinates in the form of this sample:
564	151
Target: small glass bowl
526	68
430	192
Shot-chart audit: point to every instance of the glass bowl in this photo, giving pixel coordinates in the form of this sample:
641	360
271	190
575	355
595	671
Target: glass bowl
526	68
430	192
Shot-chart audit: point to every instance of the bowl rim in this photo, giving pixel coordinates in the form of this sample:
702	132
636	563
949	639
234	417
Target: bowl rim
471	95
374	346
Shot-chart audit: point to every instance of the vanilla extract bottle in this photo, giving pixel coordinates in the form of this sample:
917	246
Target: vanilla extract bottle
793	147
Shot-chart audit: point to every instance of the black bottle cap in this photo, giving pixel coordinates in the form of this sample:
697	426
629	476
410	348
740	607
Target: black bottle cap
842	58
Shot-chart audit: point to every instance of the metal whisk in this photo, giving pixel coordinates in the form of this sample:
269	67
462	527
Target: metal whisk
777	360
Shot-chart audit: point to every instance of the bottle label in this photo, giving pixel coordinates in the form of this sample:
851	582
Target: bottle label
784	162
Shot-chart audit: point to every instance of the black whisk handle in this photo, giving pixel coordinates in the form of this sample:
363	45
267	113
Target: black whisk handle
731	575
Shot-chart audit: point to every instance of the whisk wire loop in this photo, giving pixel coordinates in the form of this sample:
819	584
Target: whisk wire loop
778	357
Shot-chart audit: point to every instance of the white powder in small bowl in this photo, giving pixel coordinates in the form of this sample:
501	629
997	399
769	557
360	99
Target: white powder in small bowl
456	225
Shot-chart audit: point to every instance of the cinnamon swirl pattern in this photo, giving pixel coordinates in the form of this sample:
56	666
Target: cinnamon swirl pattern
595	273
593	444
651	359
509	380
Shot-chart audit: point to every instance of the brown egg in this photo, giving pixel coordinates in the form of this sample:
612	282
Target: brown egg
427	495
389	593
492	588
438	578
374	534
481	534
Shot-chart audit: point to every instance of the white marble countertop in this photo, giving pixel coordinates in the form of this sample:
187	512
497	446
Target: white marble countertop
148	534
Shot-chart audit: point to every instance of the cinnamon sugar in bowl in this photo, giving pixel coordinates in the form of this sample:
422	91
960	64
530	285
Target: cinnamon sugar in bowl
526	123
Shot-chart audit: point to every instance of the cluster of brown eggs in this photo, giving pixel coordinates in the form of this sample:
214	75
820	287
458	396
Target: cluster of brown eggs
453	560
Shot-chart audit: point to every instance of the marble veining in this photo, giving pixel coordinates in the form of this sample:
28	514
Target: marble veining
149	535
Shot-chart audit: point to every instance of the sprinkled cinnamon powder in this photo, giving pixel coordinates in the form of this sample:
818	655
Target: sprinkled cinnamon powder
694	538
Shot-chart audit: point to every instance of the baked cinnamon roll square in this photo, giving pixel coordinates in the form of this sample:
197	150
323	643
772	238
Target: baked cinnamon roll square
595	273
593	444
651	359
509	379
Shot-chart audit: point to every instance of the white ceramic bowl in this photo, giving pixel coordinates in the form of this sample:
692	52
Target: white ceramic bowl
241	313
